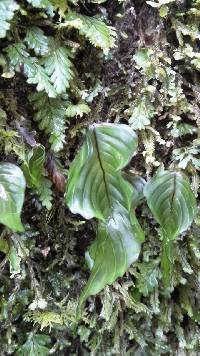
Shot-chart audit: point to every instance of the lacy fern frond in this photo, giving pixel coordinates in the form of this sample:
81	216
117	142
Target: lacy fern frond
35	345
142	111
21	61
77	110
58	66
50	115
44	193
41	79
7	10
36	40
96	31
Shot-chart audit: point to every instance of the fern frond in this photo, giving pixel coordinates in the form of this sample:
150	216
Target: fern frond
50	115
21	60
41	79
36	344
17	55
44	193
36	40
7	9
96	31
77	110
141	112
58	66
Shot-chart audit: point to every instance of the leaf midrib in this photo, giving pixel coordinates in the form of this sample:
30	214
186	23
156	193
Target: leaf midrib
173	192
102	168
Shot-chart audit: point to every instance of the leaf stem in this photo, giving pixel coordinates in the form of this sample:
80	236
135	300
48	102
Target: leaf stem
167	260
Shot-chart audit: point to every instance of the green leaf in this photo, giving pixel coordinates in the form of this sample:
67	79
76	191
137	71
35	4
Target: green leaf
34	172
36	40
182	129
14	260
95	182
148	277
116	248
138	184
4	247
77	110
98	33
19	57
12	187
42	80
50	115
187	156
58	66
96	188
45	193
141	114
7	9
33	167
35	345
142	58
171	201
173	205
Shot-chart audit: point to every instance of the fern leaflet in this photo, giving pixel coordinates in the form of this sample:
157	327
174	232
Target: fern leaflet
58	66
97	32
50	114
7	9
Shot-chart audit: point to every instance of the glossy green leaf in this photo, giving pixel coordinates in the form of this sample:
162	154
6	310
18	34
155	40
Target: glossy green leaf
95	182
171	201
138	184
12	187
115	249
33	167
97	188
173	205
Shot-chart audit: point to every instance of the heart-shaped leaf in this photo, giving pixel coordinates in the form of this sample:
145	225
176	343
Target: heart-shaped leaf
173	205
95	182
171	201
111	254
96	188
12	187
